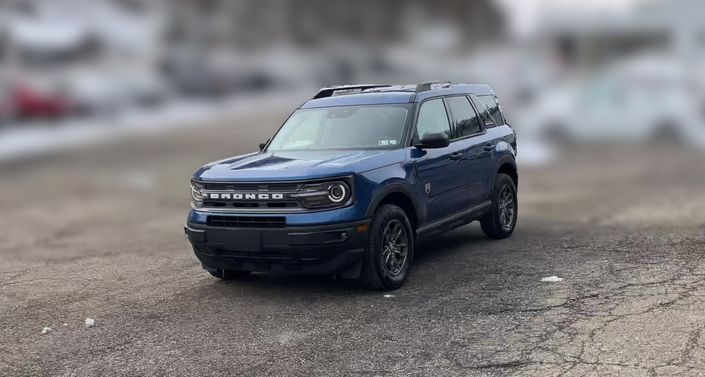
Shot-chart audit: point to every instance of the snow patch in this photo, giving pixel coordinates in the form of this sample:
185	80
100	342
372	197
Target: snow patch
27	140
551	279
535	153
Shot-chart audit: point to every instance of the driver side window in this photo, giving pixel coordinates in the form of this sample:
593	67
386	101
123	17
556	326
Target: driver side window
432	119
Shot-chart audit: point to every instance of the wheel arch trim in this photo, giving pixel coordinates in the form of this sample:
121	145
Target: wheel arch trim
397	188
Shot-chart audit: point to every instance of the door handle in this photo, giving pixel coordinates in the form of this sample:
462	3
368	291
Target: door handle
489	147
455	156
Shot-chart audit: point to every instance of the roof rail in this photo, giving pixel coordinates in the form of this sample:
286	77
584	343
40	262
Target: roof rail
428	85
328	92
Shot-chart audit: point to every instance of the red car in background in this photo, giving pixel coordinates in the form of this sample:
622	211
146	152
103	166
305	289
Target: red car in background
33	100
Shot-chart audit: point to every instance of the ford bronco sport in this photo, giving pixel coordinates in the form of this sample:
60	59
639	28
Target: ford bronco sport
354	179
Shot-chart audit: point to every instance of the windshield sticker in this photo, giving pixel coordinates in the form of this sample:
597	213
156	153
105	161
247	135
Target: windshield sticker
384	143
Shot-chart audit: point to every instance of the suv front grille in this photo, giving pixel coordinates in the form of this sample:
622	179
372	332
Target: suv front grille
246	221
278	195
268	197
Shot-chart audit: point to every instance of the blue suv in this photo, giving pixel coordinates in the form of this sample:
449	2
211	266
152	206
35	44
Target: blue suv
354	179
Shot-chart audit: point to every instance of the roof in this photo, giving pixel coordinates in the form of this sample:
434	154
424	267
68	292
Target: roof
386	94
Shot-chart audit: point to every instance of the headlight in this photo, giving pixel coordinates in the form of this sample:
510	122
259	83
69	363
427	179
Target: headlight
197	192
337	192
324	194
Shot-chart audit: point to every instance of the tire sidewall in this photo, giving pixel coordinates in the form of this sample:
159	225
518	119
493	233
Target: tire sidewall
501	181
374	252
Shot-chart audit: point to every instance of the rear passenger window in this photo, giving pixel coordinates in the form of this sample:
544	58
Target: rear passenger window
464	116
493	108
432	119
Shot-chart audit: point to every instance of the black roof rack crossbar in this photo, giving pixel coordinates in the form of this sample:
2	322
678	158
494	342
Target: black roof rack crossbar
328	92
428	85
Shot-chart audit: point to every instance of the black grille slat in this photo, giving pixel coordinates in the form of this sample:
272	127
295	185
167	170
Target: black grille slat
233	204
246	221
253	187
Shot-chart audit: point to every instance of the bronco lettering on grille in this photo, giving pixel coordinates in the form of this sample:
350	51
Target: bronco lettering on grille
246	196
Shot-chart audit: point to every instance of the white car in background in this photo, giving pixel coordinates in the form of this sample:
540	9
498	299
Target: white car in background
99	92
640	100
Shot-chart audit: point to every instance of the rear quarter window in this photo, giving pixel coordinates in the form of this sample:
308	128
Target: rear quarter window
493	108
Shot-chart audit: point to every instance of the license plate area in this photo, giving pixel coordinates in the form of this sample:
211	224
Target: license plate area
236	239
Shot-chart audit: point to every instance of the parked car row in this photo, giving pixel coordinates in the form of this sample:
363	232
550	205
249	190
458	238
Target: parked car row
81	93
56	93
640	100
96	93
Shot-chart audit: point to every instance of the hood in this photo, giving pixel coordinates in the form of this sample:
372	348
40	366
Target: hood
299	165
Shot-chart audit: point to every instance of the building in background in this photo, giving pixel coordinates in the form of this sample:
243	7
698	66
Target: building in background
585	41
253	24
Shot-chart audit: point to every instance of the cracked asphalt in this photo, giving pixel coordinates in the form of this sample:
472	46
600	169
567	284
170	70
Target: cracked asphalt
97	232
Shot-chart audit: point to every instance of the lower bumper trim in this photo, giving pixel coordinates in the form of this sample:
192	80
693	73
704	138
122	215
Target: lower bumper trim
311	249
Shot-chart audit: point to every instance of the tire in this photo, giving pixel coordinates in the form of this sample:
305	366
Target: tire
498	223
229	274
388	258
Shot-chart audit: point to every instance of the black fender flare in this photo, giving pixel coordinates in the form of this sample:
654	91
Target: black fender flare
393	188
505	160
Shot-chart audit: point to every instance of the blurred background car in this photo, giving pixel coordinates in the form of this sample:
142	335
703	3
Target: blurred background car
638	100
111	91
6	108
192	74
34	98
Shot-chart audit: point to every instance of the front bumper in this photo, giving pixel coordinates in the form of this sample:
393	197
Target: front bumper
319	249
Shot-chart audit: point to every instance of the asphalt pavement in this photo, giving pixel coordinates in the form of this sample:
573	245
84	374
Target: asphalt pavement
98	233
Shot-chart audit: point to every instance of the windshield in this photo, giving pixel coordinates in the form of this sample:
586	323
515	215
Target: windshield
345	127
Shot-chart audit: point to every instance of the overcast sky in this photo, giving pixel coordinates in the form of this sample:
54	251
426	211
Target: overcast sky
524	14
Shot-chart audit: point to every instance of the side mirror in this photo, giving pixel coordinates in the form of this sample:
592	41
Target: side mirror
433	140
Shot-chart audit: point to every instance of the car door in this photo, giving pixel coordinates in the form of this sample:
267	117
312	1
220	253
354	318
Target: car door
471	138
439	171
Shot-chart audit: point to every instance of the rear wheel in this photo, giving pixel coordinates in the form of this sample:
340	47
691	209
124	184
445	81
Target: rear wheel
390	250
229	274
500	221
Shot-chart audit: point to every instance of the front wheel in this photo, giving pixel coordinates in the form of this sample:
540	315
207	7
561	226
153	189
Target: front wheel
500	221
390	250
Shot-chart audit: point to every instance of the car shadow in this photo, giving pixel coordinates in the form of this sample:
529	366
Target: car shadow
439	249
460	240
